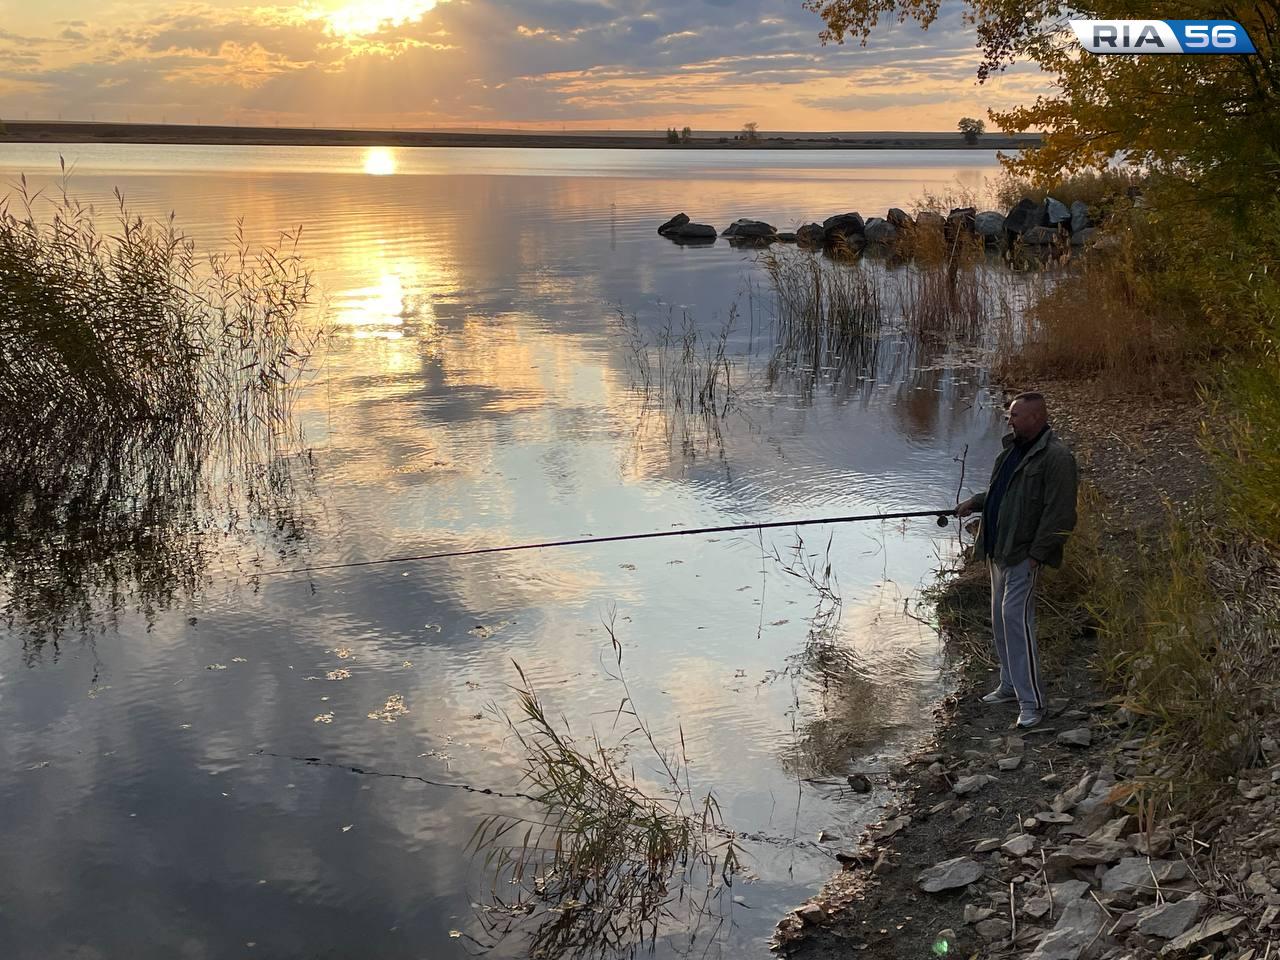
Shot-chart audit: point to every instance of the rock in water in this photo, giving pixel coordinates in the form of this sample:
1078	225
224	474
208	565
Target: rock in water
1080	216
881	231
679	220
845	225
1025	215
860	783
810	233
692	233
989	225
950	874
1057	211
899	218
749	229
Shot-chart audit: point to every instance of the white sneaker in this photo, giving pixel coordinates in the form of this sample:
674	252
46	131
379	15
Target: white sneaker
1000	695
1029	718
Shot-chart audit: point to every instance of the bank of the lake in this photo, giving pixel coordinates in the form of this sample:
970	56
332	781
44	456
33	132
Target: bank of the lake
1049	843
27	131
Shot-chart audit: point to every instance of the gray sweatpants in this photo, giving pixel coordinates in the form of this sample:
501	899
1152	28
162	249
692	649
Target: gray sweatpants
1013	626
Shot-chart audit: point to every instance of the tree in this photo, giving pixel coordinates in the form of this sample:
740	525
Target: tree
972	129
1213	122
751	131
686	135
672	136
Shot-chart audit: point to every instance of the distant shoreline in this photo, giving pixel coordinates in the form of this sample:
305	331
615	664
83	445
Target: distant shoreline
68	132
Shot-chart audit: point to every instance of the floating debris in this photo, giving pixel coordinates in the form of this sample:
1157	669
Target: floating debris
484	631
344	653
347	827
324	718
391	710
216	666
239	660
407	664
338	675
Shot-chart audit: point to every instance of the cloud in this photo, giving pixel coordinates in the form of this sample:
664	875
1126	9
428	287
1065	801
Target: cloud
490	61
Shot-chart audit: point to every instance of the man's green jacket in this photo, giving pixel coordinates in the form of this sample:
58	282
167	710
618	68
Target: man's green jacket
1038	509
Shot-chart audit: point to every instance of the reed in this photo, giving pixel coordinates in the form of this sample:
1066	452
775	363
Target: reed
607	863
829	314
133	371
684	379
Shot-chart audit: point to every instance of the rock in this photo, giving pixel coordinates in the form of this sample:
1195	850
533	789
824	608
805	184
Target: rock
1040	237
950	874
1025	215
810	233
1084	853
961	220
1068	798
1205	930
987	845
785	236
1079	926
899	218
993	930
883	864
692	233
989	225
1057	211
880	231
1079	737
843	225
1139	875
1051	816
976	914
890	827
1009	763
749	230
1169	920
679	220
826	836
967	785
859	783
1082	238
809	913
1259	885
1080	216
929	220
1157	844
1020	845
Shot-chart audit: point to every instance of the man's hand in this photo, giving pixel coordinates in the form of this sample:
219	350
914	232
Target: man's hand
964	508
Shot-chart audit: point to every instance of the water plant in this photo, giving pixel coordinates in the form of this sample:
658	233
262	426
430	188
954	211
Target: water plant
606	862
134	371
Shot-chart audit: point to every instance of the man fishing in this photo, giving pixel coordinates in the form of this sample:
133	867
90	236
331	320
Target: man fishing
1028	511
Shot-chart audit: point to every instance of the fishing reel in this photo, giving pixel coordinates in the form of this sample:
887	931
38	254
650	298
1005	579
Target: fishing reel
942	519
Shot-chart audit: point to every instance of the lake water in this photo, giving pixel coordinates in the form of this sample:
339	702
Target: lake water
478	390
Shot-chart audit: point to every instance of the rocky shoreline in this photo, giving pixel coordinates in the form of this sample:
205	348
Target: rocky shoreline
1038	844
1038	227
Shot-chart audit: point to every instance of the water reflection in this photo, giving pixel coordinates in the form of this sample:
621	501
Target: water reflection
477	391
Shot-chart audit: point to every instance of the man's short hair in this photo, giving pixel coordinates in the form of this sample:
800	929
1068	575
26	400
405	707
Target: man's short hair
1028	395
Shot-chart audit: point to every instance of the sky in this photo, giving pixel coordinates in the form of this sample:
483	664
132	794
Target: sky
549	64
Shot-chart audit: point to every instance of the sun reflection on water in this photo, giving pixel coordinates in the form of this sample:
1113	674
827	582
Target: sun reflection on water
379	161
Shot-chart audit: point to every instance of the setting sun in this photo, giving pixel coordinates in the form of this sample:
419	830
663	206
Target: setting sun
362	17
379	161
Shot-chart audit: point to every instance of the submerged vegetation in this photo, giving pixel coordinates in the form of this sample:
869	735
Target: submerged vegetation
610	864
133	371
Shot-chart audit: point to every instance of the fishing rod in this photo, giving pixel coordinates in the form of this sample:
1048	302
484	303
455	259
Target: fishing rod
941	515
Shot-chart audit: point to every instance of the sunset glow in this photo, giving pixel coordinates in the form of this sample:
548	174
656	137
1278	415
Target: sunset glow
363	17
379	161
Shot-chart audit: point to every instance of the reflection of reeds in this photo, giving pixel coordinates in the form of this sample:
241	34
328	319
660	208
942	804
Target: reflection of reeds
608	865
131	371
829	314
684	379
